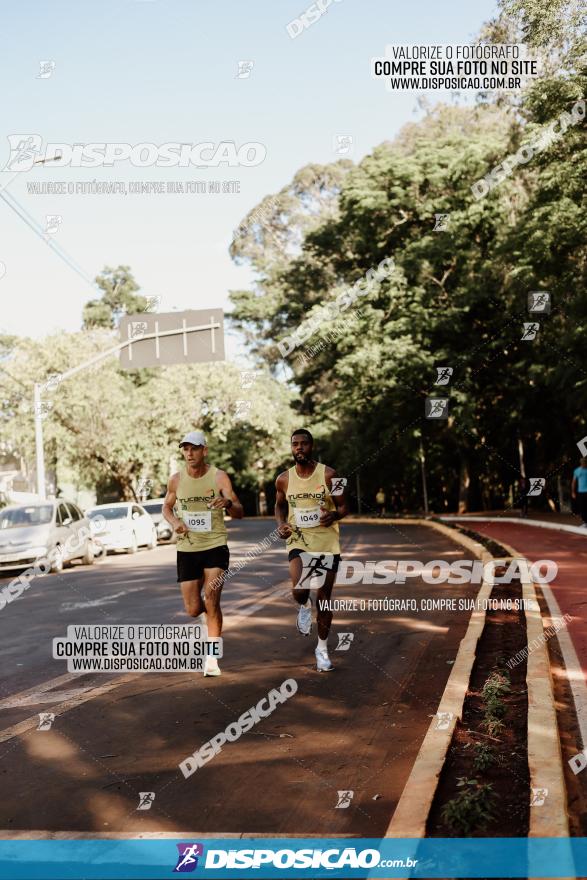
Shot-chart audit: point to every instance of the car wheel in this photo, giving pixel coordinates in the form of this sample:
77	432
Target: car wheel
153	542
134	546
88	557
57	561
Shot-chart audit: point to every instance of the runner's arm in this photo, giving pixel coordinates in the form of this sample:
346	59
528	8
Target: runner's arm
340	502
281	506
227	498
179	526
574	487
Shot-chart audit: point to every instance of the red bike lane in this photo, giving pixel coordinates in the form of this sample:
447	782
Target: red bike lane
568	550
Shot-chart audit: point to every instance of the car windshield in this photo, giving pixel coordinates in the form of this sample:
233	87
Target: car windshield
109	512
153	506
35	515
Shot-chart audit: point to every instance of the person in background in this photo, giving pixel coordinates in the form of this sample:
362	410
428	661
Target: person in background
579	490
380	502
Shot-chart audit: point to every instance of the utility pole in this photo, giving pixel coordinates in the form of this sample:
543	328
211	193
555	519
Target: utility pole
39	442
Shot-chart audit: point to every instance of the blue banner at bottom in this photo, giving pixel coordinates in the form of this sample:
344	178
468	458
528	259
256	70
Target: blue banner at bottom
271	857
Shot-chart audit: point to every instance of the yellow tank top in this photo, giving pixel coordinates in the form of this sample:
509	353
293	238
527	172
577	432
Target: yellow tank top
206	527
305	496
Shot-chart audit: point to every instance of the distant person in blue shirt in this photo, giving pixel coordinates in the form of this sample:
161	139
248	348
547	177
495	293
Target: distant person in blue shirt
579	490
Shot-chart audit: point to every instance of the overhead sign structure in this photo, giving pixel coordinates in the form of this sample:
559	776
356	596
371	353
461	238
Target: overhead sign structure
155	340
147	340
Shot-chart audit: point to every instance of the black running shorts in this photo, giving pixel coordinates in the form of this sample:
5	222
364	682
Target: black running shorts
191	565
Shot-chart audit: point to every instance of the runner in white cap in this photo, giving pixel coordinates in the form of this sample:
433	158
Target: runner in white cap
201	493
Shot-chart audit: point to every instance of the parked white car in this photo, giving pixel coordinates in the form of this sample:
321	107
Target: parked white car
126	526
56	530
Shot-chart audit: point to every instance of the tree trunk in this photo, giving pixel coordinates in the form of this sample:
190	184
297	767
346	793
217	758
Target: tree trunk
464	483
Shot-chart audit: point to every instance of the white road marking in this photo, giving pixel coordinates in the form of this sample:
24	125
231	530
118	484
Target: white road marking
82	695
95	603
39	697
92	603
41	688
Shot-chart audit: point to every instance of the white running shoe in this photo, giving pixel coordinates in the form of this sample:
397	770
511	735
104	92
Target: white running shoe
304	619
323	663
211	669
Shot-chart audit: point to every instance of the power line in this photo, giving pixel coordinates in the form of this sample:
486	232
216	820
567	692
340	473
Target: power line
32	224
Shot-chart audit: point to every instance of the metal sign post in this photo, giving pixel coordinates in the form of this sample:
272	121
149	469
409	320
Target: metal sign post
160	339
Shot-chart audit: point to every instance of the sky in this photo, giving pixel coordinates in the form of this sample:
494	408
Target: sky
160	71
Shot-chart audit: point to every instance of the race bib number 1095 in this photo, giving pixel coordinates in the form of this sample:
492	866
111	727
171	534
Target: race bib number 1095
198	522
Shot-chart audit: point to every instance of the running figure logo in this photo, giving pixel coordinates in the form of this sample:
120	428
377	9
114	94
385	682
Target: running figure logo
153	303
146	799
530	331
188	857
345	641
46	69
444	374
52	223
245	69
24	149
46	719
137	329
441	222
537	484
443	720
539	301
314	570
539	795
344	799
338	485
242	408
342	144
436	408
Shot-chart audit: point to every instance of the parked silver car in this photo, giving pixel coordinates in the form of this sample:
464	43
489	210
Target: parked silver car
56	530
154	507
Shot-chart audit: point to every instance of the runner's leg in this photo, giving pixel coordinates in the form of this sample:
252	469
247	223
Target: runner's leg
324	619
302	597
323	616
213	583
295	572
191	592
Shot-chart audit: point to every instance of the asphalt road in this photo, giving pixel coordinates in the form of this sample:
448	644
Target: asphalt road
356	729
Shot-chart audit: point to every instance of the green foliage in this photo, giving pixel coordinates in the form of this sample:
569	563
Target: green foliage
119	297
493	726
472	808
104	429
484	756
456	298
496	685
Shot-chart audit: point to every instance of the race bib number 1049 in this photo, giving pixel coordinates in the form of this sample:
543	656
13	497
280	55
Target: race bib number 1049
307	518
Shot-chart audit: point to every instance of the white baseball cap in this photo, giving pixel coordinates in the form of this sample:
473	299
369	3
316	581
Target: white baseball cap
196	438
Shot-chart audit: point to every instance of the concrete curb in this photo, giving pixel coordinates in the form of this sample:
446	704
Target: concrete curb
544	750
539	523
413	808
